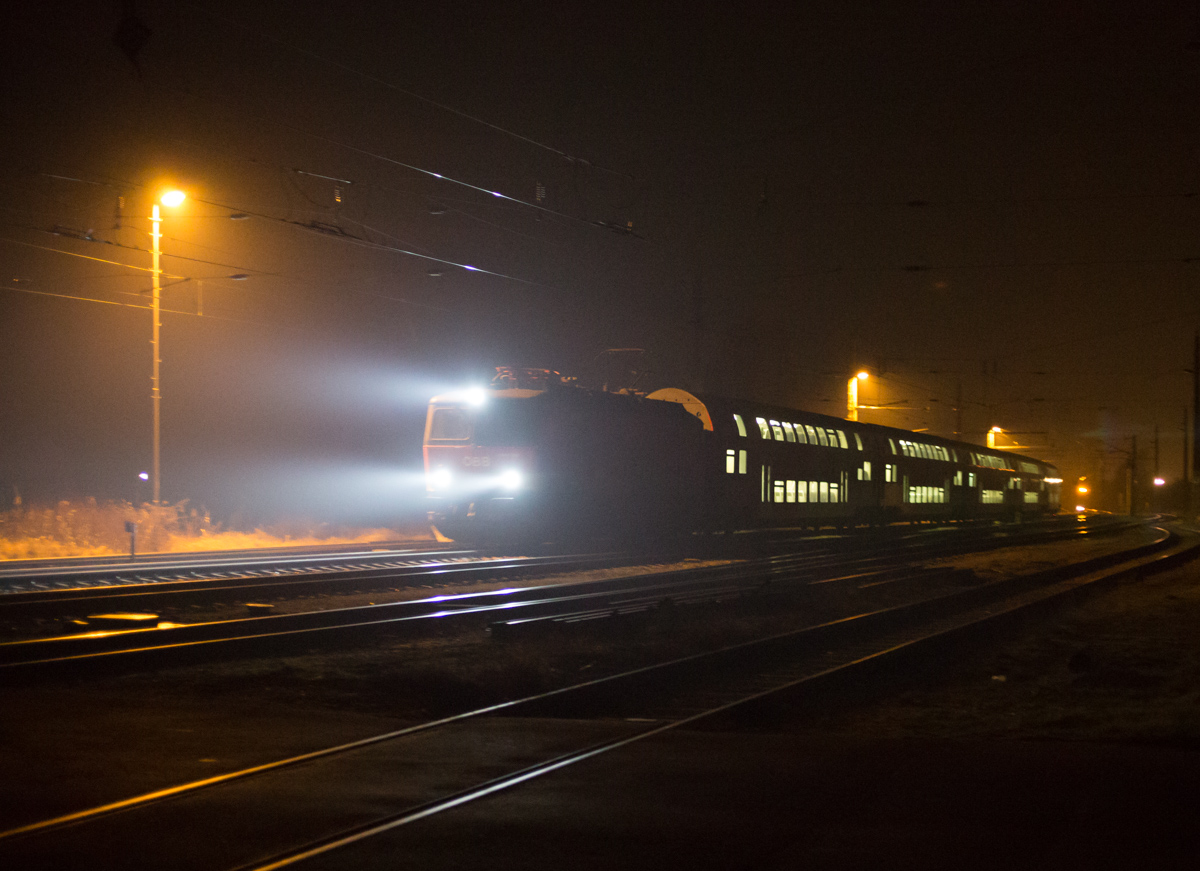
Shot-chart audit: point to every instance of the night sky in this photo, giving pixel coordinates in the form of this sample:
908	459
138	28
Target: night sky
998	199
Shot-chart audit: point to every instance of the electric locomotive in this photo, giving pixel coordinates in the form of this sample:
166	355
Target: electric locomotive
536	456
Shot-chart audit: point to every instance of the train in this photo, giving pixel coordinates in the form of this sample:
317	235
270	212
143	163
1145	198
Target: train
536	456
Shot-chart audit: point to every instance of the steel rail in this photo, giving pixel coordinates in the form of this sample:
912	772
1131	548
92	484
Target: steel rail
321	579
99	568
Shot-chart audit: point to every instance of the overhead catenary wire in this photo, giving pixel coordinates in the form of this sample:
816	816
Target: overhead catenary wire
182	278
396	88
174	311
329	140
84	256
355	240
495	194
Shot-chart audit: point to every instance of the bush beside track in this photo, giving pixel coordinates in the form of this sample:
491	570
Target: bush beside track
91	528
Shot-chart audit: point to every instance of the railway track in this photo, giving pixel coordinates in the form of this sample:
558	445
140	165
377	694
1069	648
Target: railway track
171	643
32	579
340	805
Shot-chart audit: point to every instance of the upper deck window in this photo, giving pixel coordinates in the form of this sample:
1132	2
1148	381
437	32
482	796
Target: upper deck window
450	425
737	418
789	432
763	428
778	430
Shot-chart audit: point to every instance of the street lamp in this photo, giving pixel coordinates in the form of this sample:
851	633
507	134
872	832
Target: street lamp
170	199
852	395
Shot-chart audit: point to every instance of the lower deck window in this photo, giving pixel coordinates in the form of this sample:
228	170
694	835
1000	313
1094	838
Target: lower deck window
806	491
991	497
925	495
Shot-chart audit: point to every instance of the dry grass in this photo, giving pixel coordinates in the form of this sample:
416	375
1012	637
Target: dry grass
93	528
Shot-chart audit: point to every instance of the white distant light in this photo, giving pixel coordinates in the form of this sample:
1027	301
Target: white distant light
475	396
145	476
440	478
1158	482
512	479
471	268
1080	509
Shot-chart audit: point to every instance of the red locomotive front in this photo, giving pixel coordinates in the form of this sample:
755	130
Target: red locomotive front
479	462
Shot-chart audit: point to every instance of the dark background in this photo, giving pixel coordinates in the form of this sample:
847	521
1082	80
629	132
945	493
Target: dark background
993	201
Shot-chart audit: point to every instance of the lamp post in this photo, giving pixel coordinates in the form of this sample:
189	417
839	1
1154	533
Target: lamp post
852	395
172	199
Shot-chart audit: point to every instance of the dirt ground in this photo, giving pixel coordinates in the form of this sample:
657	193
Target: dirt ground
1123	667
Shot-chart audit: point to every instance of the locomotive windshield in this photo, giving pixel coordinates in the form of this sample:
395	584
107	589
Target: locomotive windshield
450	425
506	422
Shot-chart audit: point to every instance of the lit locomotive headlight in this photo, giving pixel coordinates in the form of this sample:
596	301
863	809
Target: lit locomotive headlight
440	478
512	479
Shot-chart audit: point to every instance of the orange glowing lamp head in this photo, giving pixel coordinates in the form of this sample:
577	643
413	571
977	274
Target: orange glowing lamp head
172	198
